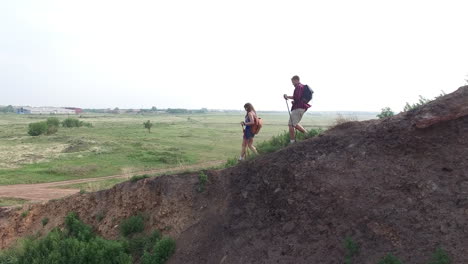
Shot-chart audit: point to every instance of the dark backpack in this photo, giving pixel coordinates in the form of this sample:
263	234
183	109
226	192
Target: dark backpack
307	94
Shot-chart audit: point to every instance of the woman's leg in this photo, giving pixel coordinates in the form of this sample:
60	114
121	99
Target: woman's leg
244	146
251	146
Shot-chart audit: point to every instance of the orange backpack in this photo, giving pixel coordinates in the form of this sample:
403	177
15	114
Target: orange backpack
255	128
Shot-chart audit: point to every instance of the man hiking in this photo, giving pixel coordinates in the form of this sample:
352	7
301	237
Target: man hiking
299	107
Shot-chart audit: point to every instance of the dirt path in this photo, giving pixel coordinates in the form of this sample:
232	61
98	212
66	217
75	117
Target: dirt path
40	192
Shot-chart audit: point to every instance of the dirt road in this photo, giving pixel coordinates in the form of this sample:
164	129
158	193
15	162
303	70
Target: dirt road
46	191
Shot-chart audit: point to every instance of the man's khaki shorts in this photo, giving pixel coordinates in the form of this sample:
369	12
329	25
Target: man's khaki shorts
296	116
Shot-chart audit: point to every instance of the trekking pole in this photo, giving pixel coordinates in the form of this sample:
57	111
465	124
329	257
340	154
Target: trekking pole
287	105
246	149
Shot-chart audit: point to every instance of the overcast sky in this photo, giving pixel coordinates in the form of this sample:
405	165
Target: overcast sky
356	55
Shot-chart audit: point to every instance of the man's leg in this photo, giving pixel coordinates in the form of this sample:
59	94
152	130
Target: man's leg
300	128
292	133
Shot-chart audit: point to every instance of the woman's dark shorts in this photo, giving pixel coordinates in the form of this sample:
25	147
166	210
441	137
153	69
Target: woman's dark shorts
248	133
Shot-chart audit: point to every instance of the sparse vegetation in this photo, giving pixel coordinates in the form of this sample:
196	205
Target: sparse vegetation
45	221
422	101
8	201
390	259
77	243
351	248
100	216
231	162
341	119
148	125
440	257
139	177
24	214
202	180
282	140
386	112
132	225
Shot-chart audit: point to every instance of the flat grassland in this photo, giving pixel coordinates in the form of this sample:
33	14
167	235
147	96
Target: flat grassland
119	143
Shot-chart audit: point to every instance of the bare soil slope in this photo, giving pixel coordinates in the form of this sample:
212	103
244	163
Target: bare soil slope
396	185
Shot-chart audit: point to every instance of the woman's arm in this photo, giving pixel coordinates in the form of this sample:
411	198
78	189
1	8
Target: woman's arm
251	118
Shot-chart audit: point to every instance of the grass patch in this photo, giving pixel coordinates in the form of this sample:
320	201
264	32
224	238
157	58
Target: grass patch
282	140
202	180
9	201
139	177
118	141
95	185
25	214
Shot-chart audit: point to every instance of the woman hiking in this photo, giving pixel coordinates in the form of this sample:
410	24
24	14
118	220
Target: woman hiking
248	135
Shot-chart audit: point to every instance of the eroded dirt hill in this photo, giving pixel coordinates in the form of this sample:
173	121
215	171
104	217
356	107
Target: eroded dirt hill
398	185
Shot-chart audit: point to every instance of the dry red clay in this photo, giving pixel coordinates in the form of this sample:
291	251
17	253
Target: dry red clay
397	185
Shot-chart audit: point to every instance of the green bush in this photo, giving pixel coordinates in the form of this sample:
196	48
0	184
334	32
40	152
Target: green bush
45	221
390	259
231	162
132	225
72	122
440	257
53	121
352	249
78	244
38	128
24	214
148	125
386	112
138	245
163	249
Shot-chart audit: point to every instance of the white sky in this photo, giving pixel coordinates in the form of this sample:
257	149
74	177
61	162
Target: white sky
357	55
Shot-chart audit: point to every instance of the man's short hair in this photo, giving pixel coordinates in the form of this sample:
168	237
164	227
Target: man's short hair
295	77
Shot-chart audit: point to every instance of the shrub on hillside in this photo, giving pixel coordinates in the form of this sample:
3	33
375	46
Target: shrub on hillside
163	249
38	128
282	140
440	257
76	244
386	112
132	225
390	259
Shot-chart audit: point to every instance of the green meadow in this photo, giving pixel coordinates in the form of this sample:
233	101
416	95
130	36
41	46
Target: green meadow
119	143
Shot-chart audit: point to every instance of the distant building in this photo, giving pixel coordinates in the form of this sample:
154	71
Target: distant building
76	109
44	111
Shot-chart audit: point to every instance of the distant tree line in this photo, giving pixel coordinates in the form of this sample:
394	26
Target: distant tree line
7	109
